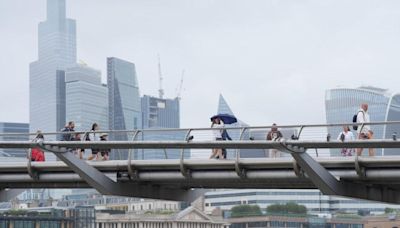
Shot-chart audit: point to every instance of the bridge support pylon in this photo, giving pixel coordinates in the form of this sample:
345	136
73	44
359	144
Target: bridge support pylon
330	185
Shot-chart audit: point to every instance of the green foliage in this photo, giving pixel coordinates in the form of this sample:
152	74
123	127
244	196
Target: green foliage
288	208
389	210
245	210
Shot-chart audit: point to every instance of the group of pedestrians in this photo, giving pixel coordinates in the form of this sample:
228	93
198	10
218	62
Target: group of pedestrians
363	129
361	126
69	134
93	135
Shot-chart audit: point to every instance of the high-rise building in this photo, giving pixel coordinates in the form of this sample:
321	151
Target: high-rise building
20	128
160	113
123	100
342	103
86	98
56	51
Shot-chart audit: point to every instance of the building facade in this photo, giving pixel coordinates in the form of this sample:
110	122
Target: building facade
83	217
86	98
57	51
188	218
313	200
20	128
123	100
313	222
342	103
160	113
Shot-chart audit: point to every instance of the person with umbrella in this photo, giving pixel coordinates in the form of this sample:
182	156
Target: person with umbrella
218	121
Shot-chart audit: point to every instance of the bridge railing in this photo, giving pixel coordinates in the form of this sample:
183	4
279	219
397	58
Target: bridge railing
382	130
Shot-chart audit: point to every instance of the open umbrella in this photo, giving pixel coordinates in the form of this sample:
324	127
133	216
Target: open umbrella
226	118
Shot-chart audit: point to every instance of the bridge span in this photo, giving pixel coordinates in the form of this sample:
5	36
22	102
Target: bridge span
372	178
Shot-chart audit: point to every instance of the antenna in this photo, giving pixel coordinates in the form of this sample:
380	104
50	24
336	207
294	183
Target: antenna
160	79
179	88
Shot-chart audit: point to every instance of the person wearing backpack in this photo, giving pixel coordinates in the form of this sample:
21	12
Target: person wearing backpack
345	136
68	128
364	131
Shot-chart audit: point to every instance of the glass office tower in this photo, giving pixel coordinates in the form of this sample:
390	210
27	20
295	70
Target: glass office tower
86	98
123	100
57	51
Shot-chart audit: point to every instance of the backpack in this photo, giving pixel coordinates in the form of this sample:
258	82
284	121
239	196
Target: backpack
355	127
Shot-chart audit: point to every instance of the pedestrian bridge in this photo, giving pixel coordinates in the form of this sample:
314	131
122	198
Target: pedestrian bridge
372	178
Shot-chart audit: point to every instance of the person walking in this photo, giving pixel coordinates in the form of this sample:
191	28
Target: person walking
225	136
274	135
94	136
345	136
36	153
78	151
217	133
68	128
364	131
104	152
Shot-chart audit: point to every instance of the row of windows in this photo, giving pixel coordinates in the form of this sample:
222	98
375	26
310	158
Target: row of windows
262	194
158	225
294	225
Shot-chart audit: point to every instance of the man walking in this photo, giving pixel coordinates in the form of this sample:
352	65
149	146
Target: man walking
364	131
68	128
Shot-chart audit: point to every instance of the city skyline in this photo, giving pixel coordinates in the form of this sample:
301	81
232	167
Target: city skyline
359	49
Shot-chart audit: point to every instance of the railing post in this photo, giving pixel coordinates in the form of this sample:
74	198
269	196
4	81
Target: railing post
300	131
183	169
131	172
239	170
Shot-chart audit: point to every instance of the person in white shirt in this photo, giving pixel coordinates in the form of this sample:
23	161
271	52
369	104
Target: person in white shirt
94	136
345	136
364	131
217	133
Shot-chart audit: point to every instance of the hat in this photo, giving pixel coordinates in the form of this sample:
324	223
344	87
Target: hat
103	134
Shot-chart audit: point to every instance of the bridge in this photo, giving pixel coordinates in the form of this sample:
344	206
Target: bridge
372	178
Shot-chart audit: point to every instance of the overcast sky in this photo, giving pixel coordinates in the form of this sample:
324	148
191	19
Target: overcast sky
271	60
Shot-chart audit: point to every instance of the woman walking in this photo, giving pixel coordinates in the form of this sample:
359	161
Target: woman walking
345	136
94	136
218	125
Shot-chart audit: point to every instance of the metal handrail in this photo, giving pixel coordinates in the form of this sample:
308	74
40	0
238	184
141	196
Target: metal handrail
208	129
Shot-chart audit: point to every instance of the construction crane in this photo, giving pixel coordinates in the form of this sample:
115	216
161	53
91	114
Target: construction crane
179	88
160	79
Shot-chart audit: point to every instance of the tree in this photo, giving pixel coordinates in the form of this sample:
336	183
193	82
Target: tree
389	210
245	210
288	208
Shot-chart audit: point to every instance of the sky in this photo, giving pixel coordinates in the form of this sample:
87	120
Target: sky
272	60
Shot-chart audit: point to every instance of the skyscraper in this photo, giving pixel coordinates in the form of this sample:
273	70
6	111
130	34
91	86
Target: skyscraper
160	113
86	98
21	128
57	51
123	100
342	103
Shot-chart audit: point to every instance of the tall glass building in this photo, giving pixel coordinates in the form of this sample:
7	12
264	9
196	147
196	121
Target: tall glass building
160	113
342	104
56	51
86	98
13	154
123	100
